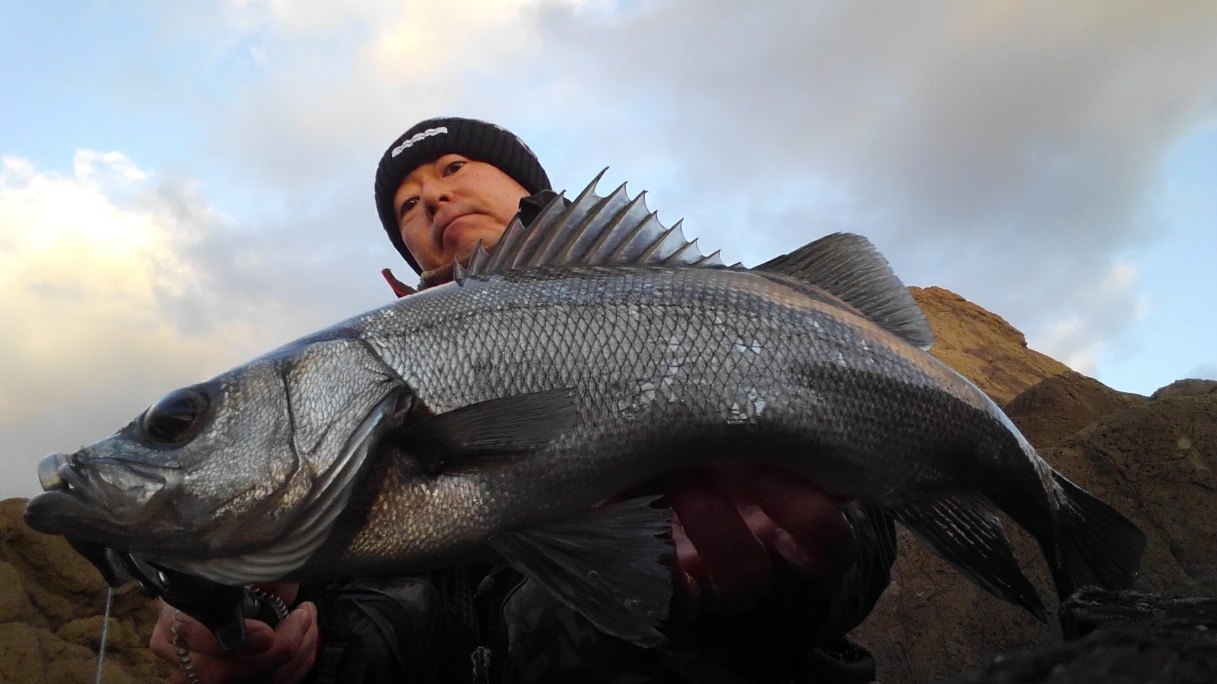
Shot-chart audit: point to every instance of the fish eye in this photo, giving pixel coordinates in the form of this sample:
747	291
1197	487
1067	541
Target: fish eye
176	417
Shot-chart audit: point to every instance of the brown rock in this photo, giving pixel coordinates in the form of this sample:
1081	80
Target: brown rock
982	346
87	632
1188	387
1153	460
45	586
1158	461
1123	637
26	652
59	582
15	606
1061	405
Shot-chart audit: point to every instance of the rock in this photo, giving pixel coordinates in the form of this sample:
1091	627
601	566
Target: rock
61	584
1190	387
1157	462
1153	459
15	606
87	632
1091	609
982	346
1060	405
1122	638
26	652
51	602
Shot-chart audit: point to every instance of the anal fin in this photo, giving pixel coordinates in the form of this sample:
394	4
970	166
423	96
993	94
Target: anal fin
608	564
968	534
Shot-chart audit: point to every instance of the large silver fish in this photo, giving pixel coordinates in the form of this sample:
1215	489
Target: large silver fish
593	351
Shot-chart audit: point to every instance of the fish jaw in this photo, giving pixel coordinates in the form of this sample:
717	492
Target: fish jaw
109	490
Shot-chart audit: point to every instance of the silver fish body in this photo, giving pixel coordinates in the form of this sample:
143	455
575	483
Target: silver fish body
670	369
492	415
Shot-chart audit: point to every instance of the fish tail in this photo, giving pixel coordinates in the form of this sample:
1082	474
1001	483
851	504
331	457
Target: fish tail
1094	544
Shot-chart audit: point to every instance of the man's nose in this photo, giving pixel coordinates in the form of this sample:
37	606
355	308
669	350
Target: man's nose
435	196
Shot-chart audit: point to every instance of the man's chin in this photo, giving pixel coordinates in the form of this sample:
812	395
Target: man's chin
466	240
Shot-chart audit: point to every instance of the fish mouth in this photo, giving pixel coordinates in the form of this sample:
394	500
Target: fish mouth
48	473
61	506
101	495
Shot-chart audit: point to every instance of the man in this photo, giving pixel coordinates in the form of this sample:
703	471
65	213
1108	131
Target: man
769	572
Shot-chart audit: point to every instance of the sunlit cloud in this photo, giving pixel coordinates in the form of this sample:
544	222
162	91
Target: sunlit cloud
1103	309
104	310
83	277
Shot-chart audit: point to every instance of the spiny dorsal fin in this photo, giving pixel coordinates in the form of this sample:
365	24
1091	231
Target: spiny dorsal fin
849	266
590	231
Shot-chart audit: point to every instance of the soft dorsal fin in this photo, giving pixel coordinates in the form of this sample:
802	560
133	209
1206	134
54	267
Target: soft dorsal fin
849	266
590	231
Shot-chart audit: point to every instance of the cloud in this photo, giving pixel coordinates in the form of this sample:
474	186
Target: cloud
1009	151
1206	371
1077	340
109	302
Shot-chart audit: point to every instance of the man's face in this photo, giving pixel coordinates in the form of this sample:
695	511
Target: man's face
444	208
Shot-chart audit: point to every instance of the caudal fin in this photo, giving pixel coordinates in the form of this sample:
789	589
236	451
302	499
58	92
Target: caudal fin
1094	544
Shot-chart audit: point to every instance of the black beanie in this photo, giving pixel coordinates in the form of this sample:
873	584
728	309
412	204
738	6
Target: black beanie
429	140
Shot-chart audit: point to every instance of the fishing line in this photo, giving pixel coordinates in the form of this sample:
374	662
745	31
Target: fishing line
105	634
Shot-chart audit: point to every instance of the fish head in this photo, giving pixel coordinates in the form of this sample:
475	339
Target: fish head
266	452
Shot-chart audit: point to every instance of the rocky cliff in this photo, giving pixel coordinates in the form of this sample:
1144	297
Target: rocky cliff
1154	458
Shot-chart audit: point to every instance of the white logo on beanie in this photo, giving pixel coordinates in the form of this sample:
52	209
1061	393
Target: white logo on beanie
417	137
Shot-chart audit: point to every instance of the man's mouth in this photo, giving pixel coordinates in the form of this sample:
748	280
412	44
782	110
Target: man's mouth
452	228
445	219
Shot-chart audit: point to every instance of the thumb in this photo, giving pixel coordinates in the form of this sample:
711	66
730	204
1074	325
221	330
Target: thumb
259	637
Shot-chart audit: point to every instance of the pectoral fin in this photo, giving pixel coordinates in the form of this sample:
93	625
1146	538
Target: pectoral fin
968	534
608	564
467	437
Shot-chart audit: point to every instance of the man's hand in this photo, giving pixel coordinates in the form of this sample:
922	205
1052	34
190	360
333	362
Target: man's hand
733	522
284	654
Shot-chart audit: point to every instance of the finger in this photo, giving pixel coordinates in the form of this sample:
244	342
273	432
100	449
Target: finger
306	651
688	563
815	533
288	635
284	645
688	576
160	642
736	562
174	625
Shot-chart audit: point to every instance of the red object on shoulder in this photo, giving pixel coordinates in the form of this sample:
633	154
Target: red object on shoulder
399	288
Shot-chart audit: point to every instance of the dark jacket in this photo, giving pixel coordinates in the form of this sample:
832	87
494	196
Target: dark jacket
490	624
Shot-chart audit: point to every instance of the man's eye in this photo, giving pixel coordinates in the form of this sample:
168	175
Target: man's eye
408	205
453	167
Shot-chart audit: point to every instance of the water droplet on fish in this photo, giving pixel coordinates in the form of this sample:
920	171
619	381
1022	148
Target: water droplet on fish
593	574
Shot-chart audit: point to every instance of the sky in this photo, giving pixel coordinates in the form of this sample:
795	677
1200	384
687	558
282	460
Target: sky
184	186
